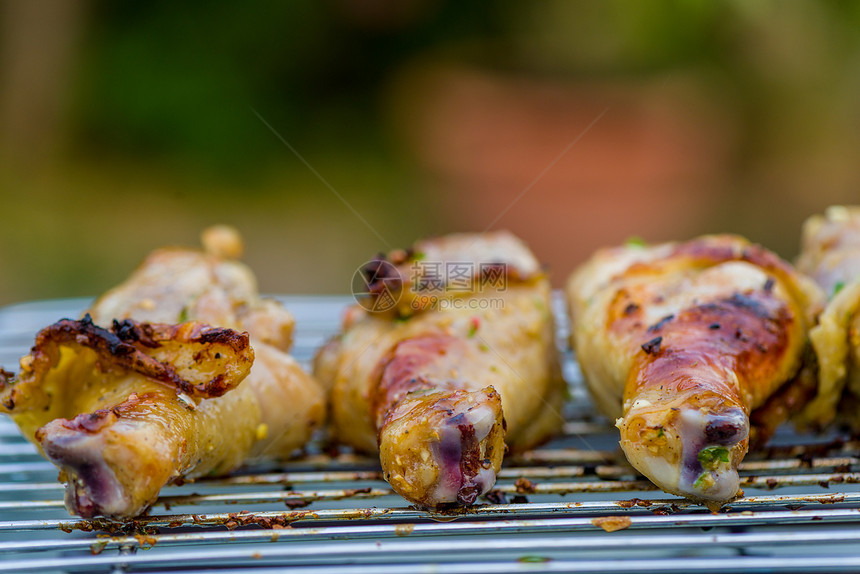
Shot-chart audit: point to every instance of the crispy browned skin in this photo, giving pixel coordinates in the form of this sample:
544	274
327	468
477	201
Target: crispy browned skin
830	253
683	342
136	347
124	411
432	385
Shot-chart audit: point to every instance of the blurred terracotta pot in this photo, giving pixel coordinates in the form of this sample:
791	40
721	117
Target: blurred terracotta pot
568	167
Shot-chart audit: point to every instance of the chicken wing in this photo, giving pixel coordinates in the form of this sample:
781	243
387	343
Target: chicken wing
830	254
125	410
681	342
451	367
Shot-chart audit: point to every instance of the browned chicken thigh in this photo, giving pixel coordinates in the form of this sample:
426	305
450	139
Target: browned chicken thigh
681	342
127	400
450	368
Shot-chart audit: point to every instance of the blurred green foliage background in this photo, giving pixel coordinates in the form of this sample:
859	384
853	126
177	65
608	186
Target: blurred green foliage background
576	124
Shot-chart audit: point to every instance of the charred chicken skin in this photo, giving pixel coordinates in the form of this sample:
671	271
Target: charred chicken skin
145	390
439	378
830	254
680	343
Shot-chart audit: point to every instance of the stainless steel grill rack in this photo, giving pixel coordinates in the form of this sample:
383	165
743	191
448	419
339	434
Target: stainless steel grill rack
331	512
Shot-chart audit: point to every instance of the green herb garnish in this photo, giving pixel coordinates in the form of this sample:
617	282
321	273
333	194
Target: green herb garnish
183	315
635	241
532	558
712	456
840	285
473	326
701	480
568	393
661	433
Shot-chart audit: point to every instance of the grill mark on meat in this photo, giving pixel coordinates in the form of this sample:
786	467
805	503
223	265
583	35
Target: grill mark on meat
659	324
652	347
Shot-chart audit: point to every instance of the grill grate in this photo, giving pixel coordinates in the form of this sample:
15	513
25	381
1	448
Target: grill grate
331	511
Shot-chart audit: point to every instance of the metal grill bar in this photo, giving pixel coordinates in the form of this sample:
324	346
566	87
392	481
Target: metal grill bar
290	478
334	513
602	471
559	488
454	547
829	503
723	564
590	542
507	525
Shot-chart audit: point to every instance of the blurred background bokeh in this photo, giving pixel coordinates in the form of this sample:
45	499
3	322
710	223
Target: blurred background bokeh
575	124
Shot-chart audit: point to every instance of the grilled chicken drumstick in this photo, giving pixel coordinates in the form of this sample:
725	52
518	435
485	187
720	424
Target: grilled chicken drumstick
681	342
126	409
435	377
830	254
